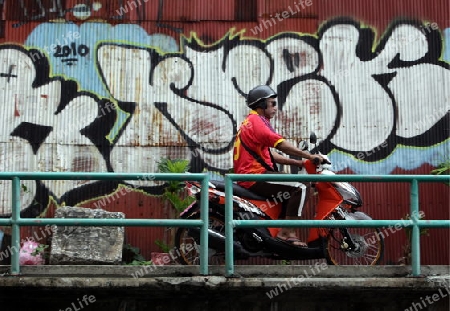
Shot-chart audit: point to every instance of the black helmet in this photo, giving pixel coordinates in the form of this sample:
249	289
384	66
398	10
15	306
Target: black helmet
258	95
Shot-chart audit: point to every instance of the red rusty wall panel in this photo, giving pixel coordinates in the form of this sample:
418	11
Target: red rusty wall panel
198	10
100	10
32	10
245	10
379	14
147	11
283	10
15	34
114	11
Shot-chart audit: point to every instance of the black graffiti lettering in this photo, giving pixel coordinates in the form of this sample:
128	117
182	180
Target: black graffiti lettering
67	50
74	48
33	17
57	8
62	51
291	60
83	50
9	75
58	51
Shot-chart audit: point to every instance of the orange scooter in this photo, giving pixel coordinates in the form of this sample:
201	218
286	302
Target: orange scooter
336	201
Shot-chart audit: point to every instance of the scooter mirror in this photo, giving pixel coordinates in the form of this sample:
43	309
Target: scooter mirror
313	138
303	145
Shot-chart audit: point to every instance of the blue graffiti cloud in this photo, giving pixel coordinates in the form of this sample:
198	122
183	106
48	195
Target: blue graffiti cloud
447	45
407	158
71	49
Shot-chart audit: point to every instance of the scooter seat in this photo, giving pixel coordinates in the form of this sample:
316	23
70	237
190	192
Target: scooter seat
238	191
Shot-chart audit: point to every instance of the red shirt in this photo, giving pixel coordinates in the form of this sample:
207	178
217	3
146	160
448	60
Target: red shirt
257	134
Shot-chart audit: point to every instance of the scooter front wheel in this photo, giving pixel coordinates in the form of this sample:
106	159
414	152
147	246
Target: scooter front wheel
368	246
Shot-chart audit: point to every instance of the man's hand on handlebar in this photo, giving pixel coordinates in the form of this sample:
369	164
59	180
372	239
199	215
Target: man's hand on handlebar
318	159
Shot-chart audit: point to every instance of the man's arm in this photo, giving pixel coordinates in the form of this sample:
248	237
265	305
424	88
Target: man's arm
290	149
278	158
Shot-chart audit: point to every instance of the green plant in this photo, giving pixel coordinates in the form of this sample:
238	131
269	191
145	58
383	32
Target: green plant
132	255
163	246
24	188
177	202
40	250
173	191
140	263
166	165
442	169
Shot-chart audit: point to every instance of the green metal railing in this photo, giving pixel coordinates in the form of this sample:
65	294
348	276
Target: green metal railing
15	221
414	222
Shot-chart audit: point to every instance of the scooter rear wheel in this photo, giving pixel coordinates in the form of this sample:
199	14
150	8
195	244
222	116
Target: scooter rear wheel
369	247
188	245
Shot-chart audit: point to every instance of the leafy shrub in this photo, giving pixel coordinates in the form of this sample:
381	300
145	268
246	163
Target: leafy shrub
442	169
173	192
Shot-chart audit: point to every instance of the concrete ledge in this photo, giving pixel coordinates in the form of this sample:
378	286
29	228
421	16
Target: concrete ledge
319	270
257	288
168	277
220	283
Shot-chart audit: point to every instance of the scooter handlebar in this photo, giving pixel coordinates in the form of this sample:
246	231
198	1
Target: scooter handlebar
316	161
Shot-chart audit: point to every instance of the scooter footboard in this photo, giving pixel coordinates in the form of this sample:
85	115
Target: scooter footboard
291	252
217	242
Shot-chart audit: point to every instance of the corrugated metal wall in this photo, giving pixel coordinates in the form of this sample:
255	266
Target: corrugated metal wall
117	85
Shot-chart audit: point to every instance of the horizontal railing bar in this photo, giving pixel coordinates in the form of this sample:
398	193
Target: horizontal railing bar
434	224
341	223
200	176
365	178
101	176
238	223
187	223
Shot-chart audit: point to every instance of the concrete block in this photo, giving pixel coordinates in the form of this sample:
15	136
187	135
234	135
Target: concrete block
83	245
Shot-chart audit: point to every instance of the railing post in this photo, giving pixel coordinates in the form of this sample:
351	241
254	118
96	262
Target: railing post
15	227
415	237
204	215
229	252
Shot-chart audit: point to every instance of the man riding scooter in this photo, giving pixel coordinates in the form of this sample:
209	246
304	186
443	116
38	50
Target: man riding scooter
253	155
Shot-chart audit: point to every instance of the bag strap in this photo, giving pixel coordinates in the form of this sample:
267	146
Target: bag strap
261	161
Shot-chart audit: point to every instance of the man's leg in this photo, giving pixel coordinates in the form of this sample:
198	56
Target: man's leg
290	206
293	211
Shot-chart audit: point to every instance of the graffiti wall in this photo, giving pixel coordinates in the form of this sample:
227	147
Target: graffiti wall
115	86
